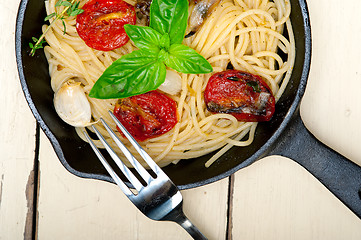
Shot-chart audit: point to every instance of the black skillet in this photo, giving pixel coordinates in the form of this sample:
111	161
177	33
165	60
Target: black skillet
284	135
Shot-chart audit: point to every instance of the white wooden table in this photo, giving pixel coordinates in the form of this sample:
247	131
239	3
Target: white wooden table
273	199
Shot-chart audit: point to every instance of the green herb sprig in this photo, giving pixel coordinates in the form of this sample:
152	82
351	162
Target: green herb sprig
71	9
160	45
255	85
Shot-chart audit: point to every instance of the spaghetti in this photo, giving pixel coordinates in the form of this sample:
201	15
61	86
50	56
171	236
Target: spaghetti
247	34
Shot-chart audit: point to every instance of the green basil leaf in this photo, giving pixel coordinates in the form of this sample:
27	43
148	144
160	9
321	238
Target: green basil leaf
144	37
163	55
165	42
135	73
186	60
169	16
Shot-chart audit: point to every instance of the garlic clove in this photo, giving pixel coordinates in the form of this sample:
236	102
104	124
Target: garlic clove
172	84
72	105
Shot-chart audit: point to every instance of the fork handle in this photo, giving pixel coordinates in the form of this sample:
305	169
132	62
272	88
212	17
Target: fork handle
191	229
181	219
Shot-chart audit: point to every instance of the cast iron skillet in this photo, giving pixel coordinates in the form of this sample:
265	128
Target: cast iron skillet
284	135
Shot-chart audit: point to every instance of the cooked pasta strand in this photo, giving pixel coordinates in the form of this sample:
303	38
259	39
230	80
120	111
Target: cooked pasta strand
246	33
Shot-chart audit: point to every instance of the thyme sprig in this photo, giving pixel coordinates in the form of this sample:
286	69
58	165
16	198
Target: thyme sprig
71	9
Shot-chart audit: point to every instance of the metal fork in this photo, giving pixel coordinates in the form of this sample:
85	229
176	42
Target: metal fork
159	198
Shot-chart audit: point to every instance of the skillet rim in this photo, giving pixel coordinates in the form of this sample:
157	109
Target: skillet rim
261	152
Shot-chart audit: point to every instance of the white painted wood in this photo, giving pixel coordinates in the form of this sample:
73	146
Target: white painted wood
276	199
17	137
75	208
273	199
331	106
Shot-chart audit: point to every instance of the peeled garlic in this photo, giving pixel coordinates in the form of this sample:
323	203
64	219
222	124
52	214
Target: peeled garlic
72	105
172	84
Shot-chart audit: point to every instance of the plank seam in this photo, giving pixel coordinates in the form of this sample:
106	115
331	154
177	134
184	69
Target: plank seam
230	208
36	182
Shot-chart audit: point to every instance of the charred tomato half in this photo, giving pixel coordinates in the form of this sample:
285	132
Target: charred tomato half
101	25
246	96
147	115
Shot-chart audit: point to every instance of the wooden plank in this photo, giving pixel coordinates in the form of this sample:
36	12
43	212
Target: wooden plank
75	208
275	198
17	138
330	108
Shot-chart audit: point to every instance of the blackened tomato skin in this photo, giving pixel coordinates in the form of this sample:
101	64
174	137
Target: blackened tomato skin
101	25
147	115
245	96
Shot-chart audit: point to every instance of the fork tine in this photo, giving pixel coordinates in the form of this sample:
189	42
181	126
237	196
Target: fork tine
141	170
135	144
125	170
109	169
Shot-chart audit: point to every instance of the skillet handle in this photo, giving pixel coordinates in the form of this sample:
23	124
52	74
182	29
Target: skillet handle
341	176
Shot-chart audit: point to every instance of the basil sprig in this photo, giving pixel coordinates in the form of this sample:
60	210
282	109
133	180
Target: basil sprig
160	45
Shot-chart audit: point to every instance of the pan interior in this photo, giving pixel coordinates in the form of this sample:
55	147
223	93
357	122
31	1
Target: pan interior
77	156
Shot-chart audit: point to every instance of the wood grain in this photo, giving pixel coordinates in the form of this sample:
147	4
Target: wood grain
272	199
75	208
17	138
331	106
275	198
278	195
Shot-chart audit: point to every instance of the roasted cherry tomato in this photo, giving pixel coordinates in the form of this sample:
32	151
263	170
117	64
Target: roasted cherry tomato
147	115
244	95
101	25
